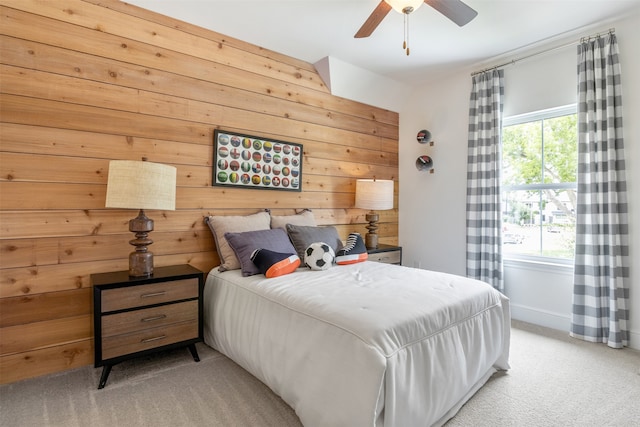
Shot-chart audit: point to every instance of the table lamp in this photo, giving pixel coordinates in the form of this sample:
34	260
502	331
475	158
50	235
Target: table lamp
141	185
373	194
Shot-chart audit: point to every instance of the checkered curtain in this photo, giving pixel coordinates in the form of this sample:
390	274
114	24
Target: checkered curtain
601	273
484	221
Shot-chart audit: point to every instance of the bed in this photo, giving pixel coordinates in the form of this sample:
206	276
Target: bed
366	344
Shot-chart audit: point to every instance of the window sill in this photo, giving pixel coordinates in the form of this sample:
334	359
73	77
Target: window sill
540	265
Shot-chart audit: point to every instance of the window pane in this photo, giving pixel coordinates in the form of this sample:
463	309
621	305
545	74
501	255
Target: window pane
521	222
560	149
522	154
559	226
539	223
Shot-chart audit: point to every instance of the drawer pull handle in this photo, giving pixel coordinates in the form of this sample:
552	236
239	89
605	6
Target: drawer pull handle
153	294
146	340
151	319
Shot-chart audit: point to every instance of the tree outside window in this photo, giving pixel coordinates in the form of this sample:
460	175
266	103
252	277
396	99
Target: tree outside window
539	170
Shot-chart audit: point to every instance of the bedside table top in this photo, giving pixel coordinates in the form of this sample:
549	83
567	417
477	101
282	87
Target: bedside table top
159	274
384	248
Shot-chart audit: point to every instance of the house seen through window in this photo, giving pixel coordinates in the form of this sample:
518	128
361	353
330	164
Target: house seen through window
539	170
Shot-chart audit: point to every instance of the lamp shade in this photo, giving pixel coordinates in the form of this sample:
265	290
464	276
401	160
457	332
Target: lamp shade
141	185
398	5
374	194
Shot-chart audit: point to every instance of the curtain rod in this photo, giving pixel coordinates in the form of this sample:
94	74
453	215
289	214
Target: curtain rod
513	61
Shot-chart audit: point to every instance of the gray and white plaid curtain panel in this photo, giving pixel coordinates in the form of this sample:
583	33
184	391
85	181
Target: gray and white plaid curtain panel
601	272
484	221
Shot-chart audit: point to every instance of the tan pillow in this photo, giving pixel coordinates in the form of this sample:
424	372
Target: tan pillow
303	218
220	225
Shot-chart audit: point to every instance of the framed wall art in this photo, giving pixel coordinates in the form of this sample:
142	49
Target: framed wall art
254	162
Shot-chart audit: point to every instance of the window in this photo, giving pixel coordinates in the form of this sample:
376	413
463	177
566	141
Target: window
539	170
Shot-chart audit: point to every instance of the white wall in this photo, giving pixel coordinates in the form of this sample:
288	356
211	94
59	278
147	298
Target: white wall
355	83
432	206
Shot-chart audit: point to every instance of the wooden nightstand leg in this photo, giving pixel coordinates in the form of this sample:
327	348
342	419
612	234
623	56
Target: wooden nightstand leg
105	375
194	352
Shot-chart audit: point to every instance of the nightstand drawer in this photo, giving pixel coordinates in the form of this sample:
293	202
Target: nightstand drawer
391	257
141	295
119	345
138	320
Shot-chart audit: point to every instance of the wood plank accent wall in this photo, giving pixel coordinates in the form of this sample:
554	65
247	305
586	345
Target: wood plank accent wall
87	81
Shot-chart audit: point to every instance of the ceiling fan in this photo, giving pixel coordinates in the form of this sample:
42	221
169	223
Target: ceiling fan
455	10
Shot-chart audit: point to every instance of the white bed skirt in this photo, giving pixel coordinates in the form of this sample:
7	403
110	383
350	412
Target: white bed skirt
367	344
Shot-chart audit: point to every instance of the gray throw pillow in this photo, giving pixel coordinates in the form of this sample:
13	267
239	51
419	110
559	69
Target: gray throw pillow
302	236
243	244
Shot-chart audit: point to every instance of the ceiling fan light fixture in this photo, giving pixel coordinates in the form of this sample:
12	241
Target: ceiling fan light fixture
456	10
400	5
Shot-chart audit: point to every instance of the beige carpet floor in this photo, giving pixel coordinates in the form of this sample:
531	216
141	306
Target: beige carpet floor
554	381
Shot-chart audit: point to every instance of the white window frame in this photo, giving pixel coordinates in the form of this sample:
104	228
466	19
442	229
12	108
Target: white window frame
548	113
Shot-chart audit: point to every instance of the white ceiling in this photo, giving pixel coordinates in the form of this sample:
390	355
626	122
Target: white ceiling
313	29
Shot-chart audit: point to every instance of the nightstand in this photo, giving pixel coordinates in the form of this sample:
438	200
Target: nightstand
388	254
137	316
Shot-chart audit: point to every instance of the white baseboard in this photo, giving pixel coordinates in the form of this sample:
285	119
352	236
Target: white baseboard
634	340
540	317
558	321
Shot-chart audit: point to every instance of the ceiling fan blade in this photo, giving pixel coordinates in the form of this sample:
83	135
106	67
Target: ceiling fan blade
373	20
455	10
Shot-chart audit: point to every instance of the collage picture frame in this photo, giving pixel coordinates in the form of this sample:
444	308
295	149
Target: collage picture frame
249	161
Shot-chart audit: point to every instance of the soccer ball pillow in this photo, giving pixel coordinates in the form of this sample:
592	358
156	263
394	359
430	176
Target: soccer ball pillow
319	256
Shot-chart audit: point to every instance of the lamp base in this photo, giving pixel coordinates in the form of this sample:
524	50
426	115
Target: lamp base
371	241
140	264
371	238
141	261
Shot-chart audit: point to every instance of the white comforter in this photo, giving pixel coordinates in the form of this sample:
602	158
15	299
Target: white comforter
365	344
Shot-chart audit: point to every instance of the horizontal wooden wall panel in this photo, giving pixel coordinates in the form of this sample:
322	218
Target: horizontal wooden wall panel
26	309
51	251
344	216
246	198
39	84
37	253
17	195
45	224
96	248
58	114
54	280
18	138
85	222
34	363
28	252
20	166
311	95
35	167
185	27
22	195
16	339
93	17
85	82
25	53
125	76
44	30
